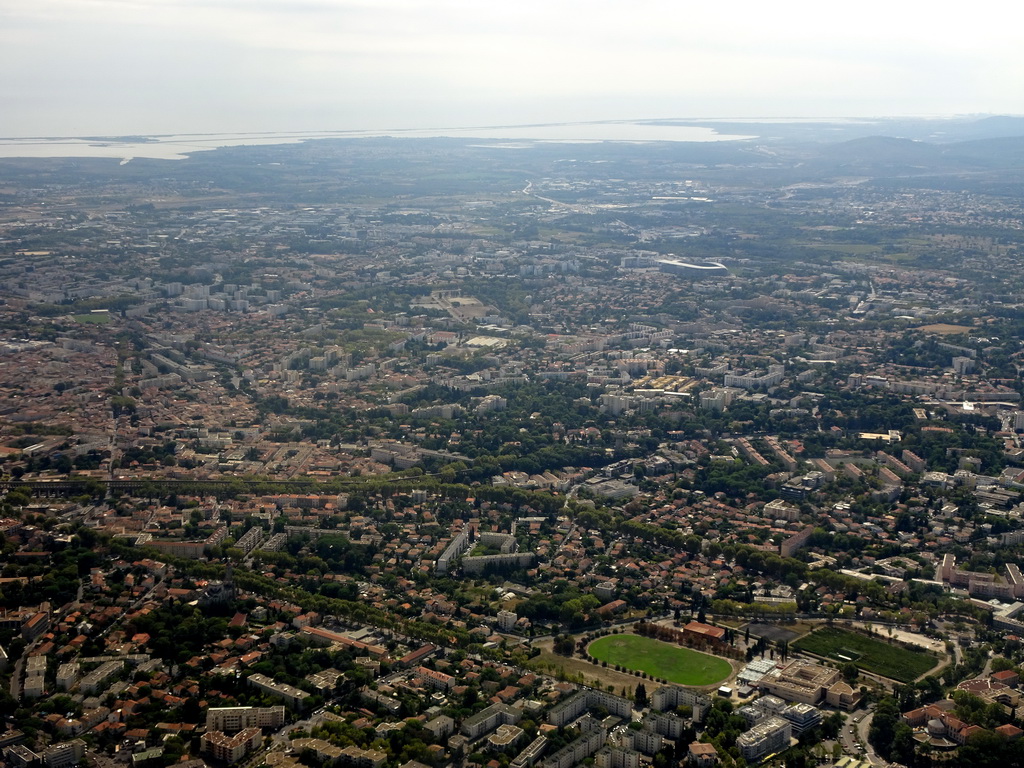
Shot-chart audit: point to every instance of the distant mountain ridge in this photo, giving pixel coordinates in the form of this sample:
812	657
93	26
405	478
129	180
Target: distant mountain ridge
995	127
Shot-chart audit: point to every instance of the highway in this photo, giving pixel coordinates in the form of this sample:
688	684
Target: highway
559	203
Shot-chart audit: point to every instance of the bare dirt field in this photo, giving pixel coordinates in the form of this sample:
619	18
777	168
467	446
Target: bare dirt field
946	328
594	674
773	632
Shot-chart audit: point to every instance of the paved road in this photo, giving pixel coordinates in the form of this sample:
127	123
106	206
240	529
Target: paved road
279	739
848	737
15	686
102	761
854	737
16	677
862	732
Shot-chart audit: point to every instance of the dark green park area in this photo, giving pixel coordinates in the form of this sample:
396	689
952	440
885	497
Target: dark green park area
871	654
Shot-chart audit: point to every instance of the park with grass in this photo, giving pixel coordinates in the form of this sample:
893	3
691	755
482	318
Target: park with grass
871	654
660	660
93	318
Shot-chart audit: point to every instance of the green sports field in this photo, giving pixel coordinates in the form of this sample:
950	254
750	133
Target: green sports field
659	659
100	318
869	653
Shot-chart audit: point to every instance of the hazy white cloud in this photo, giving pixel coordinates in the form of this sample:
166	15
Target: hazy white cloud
75	67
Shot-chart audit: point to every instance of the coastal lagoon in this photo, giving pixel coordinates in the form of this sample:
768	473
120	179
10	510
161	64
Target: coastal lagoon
179	146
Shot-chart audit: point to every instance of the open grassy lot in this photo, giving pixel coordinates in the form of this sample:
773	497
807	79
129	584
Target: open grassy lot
671	662
100	318
869	653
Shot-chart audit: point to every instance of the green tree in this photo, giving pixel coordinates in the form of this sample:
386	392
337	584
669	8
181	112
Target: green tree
640	696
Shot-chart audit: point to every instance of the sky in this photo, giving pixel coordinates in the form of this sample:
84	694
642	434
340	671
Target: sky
137	67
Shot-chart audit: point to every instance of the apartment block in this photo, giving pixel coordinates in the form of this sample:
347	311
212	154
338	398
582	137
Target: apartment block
232	719
766	738
231	749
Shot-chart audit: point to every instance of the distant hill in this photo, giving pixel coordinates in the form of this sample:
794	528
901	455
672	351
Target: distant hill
995	127
1001	153
880	155
886	156
804	133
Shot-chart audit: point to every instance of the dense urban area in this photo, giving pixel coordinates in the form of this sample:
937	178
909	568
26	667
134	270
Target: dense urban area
417	453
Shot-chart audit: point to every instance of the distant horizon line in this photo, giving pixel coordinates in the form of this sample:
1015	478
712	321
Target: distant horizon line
546	124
